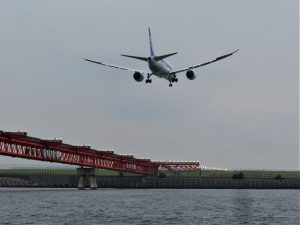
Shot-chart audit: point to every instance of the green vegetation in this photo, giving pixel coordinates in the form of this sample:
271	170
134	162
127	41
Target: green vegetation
162	175
246	173
278	177
250	173
26	171
238	176
60	171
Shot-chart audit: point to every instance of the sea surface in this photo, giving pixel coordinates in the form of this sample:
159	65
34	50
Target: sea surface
148	206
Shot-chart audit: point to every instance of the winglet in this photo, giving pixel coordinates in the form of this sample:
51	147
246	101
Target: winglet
227	55
236	51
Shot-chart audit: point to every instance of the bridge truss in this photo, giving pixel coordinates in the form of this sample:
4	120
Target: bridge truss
18	144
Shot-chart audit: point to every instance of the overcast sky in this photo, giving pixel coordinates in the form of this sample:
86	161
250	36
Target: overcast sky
241	112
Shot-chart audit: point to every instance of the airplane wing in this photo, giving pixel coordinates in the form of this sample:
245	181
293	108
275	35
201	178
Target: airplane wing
117	67
203	64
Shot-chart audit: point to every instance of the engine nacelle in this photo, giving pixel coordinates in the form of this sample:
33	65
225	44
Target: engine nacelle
138	77
190	75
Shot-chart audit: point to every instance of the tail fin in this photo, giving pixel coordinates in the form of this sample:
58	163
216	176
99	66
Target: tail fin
150	41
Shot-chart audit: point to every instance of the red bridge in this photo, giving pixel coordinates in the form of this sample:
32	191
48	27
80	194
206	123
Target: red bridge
18	144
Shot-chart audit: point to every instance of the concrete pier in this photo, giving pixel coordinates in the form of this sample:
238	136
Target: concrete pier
87	175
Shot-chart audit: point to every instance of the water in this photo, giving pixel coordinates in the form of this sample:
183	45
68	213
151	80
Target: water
148	206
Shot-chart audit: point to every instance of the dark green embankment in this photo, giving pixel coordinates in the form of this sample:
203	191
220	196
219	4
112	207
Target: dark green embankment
245	179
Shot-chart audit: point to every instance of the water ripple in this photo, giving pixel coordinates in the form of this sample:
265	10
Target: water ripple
150	206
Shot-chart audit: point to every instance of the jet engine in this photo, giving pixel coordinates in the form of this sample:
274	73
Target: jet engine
190	75
138	77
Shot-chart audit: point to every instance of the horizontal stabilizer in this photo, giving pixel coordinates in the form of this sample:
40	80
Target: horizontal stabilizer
136	57
157	58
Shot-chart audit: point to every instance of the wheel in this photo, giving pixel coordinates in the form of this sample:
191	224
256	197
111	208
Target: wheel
176	79
150	81
146	81
170	85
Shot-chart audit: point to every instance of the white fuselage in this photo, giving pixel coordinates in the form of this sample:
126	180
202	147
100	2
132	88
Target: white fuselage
160	68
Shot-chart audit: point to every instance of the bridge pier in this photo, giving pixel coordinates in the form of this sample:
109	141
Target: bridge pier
87	174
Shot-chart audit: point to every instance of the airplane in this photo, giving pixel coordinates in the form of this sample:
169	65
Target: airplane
159	67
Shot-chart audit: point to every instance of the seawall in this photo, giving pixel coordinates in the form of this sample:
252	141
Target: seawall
71	181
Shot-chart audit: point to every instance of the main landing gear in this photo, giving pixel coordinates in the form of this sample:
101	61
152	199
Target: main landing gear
148	80
173	80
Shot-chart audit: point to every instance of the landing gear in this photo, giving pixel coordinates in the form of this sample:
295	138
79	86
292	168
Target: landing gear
172	80
148	80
